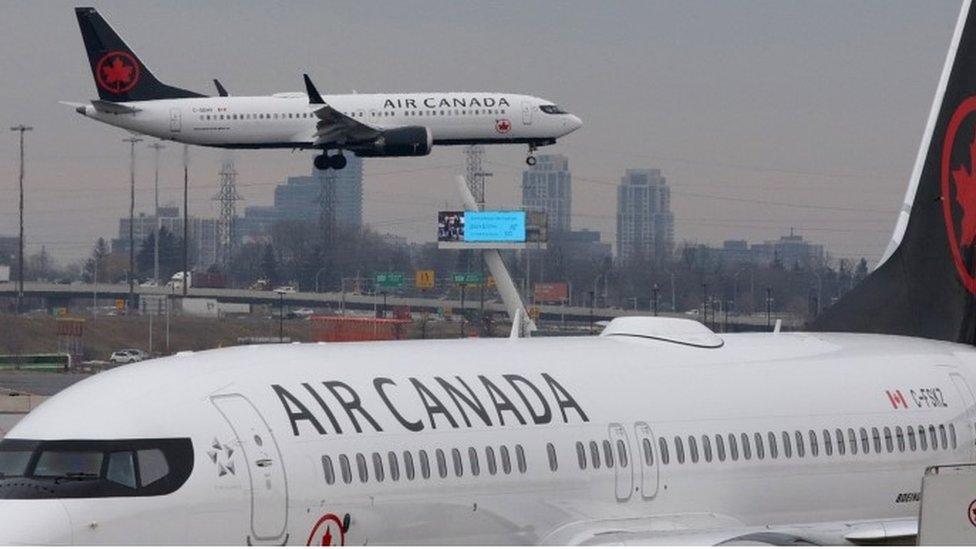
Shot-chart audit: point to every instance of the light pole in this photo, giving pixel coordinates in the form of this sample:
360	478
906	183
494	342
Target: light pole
281	314
20	250
132	213
320	271
157	146
186	214
655	292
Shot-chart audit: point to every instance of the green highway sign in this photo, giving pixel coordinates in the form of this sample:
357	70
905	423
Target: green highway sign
389	280
468	279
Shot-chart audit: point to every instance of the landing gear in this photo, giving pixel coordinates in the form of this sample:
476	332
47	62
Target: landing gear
324	161
530	160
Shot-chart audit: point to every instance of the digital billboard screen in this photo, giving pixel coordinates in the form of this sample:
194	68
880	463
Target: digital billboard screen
450	226
497	226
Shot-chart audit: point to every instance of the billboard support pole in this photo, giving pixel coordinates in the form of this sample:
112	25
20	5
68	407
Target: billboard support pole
503	280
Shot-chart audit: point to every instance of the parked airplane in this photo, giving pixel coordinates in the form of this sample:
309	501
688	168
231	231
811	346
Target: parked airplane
656	431
384	124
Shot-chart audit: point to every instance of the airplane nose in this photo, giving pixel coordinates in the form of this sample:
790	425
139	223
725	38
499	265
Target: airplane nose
34	522
576	123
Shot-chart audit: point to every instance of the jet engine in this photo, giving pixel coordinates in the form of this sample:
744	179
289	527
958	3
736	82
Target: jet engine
405	141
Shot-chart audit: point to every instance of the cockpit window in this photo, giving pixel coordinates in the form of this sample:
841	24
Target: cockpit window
93	468
552	109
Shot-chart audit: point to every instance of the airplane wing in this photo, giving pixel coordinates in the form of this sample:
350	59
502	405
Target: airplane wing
709	529
334	127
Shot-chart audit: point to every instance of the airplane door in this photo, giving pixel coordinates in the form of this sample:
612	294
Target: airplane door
175	120
645	455
527	113
622	466
965	391
269	489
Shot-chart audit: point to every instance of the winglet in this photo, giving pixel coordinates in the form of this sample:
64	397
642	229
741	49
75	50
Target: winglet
313	94
220	88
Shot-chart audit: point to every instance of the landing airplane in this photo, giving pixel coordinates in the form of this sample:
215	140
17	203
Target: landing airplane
657	431
368	125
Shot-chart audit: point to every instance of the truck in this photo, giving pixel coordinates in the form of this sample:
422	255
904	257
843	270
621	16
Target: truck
197	280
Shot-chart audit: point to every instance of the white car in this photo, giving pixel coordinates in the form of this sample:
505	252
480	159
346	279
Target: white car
126	356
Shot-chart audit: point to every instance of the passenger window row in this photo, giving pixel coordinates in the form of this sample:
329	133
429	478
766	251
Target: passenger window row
289	115
256	116
611	451
405	466
733	447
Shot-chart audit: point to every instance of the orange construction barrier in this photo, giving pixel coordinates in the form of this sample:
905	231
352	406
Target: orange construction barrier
347	328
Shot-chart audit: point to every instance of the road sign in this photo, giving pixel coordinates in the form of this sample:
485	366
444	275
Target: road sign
389	280
467	279
120	304
550	292
424	280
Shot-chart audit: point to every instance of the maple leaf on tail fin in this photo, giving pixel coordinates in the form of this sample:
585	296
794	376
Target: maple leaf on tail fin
965	182
118	72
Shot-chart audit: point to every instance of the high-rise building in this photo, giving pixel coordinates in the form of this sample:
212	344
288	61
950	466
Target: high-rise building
203	244
547	187
300	198
645	224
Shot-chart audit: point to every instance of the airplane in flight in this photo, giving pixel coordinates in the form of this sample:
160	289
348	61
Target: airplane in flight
368	125
657	431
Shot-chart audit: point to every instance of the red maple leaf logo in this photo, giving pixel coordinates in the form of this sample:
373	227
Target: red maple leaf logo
117	72
965	182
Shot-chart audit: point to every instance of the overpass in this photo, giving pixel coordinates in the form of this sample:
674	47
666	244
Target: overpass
64	293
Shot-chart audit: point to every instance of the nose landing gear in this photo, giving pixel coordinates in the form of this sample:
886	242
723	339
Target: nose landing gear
530	159
324	161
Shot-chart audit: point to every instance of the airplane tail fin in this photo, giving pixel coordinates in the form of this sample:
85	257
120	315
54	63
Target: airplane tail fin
119	73
925	285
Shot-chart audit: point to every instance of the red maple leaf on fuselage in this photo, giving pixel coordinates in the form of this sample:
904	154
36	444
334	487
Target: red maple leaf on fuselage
118	72
965	181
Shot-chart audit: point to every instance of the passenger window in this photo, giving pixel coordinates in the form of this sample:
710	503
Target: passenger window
621	453
707	447
910	431
328	470
828	444
424	464
121	469
800	450
839	436
361	467
787	447
922	440
473	458
394	466
693	448
551	452
876	437
679	450
152	466
663	445
581	455
345	468
594	455
378	467
900	438
648	451
760	451
520	458
607	453
942	436
408	465
888	441
773	447
506	460
490	458
441	463
814	445
458	466
720	447
865	443
733	448
934	441
746	448
952	435
852	439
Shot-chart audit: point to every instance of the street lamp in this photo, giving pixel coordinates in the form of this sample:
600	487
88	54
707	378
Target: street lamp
20	254
132	209
157	146
281	313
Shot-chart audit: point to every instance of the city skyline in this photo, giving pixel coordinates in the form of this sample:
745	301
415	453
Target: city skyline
731	132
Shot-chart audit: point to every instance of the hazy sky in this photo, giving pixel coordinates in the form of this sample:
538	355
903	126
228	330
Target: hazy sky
762	114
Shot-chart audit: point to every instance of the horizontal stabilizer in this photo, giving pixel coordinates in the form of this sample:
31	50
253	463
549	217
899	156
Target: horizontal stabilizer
113	108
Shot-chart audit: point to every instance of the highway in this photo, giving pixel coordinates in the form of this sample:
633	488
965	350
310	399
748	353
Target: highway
80	291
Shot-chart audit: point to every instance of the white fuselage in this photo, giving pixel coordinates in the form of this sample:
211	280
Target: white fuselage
287	120
318	431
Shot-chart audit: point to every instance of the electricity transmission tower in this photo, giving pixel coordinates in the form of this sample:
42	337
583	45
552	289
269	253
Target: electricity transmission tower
327	205
226	198
474	172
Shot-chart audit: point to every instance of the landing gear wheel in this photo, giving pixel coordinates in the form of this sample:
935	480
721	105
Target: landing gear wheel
321	162
530	160
337	162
